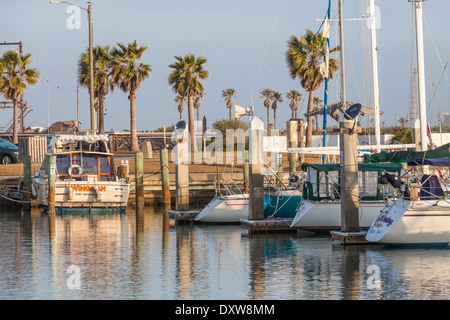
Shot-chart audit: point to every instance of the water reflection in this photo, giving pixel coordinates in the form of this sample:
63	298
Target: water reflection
143	255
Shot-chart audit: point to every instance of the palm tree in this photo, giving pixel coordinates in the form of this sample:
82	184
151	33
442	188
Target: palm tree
317	102
228	94
102	63
267	94
185	80
181	101
197	103
277	97
295	96
304	57
127	74
15	77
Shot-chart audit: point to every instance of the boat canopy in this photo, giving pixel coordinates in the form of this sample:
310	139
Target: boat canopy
438	162
62	141
389	167
405	156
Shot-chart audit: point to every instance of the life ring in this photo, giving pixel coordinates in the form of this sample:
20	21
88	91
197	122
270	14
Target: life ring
75	166
308	191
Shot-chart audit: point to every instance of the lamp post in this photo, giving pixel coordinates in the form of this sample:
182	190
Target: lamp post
91	59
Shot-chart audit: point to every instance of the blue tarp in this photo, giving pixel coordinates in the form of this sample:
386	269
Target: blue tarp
439	162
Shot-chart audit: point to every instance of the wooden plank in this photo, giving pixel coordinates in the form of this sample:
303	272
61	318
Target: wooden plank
268	225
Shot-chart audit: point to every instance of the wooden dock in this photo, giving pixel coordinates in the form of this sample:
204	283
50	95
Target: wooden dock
267	225
183	216
347	238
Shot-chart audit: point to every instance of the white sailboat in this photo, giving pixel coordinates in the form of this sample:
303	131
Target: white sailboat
418	217
321	208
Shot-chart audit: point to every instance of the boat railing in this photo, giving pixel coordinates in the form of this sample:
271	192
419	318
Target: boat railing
227	187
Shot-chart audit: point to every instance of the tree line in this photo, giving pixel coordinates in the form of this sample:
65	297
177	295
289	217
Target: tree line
120	67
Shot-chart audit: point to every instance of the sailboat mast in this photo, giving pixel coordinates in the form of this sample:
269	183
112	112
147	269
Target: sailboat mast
325	98
421	77
341	34
376	97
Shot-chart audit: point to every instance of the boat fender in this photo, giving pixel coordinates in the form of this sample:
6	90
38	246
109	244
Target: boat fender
97	194
33	191
69	193
75	166
307	190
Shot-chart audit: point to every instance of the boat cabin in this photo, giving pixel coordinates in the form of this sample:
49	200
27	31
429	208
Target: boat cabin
323	180
81	158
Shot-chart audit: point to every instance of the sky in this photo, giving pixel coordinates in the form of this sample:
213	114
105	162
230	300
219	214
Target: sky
245	43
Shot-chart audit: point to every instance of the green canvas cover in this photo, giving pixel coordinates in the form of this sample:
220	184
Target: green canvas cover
389	167
404	156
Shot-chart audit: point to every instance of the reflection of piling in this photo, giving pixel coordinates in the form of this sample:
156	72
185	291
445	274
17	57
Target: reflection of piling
51	184
139	178
27	180
164	158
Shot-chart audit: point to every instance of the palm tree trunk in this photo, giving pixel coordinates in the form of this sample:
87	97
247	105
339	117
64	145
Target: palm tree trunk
268	117
198	114
309	128
229	109
274	118
293	113
191	123
134	137
101	116
16	122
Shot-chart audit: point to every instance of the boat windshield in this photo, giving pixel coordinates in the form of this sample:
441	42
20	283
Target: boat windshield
90	164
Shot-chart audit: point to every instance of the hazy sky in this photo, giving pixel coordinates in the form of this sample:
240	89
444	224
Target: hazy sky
245	44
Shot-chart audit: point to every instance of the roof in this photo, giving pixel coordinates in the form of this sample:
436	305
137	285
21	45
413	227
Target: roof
389	167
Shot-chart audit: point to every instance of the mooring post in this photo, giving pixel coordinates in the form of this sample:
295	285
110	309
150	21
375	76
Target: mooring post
164	158
139	178
349	177
256	168
246	171
292	140
51	184
27	179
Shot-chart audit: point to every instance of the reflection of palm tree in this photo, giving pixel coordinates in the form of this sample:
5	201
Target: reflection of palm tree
185	80
317	102
228	95
304	58
127	74
295	96
267	94
277	97
181	101
14	78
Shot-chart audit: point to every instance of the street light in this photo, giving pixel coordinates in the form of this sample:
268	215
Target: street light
91	59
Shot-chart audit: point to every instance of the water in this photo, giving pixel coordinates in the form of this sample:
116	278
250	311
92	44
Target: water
121	257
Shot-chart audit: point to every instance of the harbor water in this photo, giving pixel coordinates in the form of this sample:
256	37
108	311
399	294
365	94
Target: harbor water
144	255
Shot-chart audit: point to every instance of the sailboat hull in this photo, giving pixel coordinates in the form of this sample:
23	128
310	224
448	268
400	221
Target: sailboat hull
412	223
326	215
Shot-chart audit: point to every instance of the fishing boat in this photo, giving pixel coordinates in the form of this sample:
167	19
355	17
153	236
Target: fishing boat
320	209
421	215
85	176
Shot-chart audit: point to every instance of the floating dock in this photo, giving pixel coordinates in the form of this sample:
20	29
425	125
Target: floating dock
347	238
268	225
183	216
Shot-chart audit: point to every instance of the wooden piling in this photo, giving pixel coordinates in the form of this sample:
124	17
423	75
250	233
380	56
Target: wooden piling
27	180
139	178
51	184
256	166
246	171
164	158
